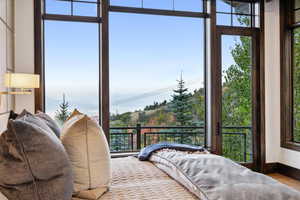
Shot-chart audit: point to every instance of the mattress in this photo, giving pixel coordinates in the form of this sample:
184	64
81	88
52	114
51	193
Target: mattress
136	180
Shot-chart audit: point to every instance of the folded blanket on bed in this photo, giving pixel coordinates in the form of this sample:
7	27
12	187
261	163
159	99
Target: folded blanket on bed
212	177
146	152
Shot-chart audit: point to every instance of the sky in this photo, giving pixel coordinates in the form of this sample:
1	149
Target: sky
147	55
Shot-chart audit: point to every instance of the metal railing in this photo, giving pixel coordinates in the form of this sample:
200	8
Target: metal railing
237	142
134	138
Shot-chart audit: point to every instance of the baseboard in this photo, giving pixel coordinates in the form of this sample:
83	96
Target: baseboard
288	171
282	169
270	168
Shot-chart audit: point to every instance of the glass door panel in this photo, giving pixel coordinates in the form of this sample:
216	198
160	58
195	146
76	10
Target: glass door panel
237	106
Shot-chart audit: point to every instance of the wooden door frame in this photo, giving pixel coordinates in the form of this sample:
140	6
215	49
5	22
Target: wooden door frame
254	34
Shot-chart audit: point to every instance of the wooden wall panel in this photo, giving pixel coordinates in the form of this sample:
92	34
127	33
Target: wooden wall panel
3	120
7	34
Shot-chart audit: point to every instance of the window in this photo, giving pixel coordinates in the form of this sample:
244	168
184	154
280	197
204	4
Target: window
71	67
290	80
142	68
147	62
71	42
171	5
87	8
237	13
296	71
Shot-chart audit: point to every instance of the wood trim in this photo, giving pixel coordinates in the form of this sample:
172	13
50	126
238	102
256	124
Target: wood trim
38	55
72	18
288	171
282	169
286	78
270	168
157	12
104	70
216	141
261	136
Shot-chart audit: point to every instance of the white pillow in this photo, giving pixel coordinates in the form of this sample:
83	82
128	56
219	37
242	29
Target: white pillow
2	197
89	153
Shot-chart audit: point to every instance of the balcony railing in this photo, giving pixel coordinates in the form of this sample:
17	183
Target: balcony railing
237	143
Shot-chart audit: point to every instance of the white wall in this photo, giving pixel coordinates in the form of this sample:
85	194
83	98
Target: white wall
6	57
24	48
272	81
274	153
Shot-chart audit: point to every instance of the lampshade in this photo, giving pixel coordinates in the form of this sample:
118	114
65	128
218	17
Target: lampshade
23	81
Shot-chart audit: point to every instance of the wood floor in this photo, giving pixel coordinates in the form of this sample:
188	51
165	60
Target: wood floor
286	180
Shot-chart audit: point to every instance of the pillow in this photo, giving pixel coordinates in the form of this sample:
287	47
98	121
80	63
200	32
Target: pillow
74	113
46	118
50	122
2	197
12	115
88	150
33	162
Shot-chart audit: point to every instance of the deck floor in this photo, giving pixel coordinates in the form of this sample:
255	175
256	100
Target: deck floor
286	180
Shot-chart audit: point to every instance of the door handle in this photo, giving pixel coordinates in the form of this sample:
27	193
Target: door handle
218	128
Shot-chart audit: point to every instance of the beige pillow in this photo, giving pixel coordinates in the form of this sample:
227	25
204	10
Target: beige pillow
2	197
89	153
74	113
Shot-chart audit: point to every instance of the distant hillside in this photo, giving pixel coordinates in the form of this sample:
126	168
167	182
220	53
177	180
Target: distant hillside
161	114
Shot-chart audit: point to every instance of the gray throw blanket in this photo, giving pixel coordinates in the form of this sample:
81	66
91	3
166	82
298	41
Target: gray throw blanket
212	177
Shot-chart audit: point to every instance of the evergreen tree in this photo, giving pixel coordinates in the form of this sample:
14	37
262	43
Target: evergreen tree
181	104
63	113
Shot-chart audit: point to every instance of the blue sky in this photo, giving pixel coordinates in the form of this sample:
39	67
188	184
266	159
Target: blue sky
147	55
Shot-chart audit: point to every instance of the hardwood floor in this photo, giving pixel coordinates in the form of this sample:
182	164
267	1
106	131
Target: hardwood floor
286	180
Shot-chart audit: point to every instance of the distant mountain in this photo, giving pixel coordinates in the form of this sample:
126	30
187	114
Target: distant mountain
161	114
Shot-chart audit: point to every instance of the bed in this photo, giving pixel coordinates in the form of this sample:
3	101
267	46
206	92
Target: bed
136	180
179	175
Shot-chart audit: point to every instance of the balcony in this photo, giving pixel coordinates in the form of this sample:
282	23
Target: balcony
236	140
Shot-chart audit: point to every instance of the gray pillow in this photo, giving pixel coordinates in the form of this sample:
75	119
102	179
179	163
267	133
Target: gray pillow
33	162
50	122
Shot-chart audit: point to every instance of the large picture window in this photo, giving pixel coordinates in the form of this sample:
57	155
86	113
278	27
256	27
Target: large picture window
157	82
147	70
290	94
71	68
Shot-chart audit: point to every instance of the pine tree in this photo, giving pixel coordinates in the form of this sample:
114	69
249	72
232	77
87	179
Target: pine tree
181	104
63	113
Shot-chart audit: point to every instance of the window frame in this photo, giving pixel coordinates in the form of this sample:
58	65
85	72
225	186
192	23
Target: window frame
104	8
286	86
211	28
252	15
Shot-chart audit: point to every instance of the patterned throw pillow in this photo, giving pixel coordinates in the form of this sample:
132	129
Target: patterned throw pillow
33	163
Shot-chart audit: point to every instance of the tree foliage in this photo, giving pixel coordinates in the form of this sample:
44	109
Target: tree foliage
63	112
236	87
296	82
181	104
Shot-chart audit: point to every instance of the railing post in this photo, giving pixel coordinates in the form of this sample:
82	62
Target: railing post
138	136
245	147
